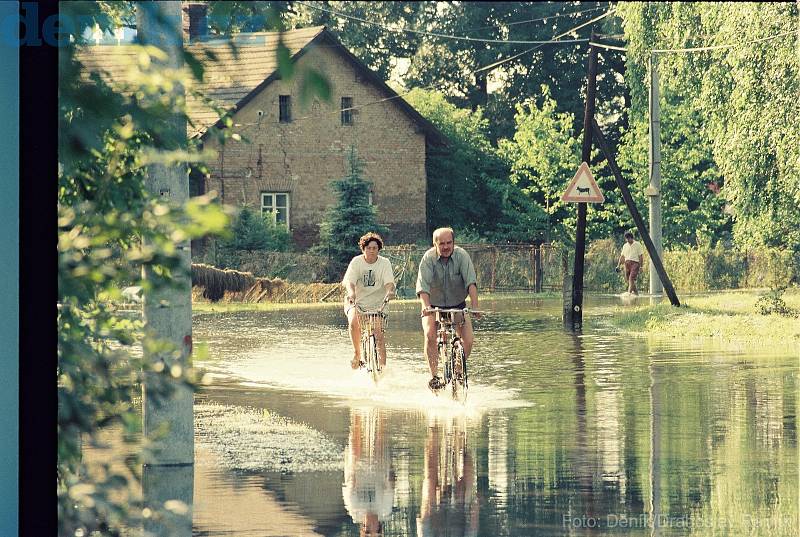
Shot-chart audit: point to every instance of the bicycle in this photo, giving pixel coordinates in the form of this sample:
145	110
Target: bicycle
369	345
451	351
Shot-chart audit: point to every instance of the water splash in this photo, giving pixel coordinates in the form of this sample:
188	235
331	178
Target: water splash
403	384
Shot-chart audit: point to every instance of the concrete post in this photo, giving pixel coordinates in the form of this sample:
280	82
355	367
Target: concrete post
654	189
168	312
162	484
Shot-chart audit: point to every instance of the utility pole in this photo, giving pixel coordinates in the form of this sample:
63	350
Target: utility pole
576	311
168	421
654	189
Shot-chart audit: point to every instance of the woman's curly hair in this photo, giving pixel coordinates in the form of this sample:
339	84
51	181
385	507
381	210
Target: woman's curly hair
365	240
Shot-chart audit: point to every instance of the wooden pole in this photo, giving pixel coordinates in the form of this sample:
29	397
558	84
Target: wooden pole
576	310
637	218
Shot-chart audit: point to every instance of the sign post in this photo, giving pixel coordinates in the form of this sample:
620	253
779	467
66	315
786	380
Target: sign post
575	318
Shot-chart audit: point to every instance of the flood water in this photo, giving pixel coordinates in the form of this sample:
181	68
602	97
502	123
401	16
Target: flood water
560	435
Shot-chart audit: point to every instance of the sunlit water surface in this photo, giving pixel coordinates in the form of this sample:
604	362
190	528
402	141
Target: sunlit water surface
561	434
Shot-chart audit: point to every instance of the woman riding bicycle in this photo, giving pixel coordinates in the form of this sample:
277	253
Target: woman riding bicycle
446	276
368	282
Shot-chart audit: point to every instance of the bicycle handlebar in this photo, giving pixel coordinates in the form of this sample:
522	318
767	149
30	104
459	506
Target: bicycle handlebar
453	310
379	311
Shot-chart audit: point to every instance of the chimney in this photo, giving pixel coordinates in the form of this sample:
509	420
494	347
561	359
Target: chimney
195	21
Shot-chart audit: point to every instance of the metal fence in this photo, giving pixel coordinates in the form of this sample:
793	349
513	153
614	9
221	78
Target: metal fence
527	267
506	267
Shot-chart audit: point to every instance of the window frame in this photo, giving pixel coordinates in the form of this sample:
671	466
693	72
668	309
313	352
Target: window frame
284	108
273	206
347	112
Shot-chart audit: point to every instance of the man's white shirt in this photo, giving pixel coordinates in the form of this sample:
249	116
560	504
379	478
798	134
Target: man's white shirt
632	251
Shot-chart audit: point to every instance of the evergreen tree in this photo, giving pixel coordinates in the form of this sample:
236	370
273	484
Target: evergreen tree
349	219
250	231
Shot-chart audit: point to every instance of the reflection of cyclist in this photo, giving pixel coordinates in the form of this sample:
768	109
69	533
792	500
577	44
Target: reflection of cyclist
449	503
368	489
446	275
368	280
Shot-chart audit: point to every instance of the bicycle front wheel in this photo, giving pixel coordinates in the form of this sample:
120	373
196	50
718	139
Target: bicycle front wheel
372	359
444	362
459	371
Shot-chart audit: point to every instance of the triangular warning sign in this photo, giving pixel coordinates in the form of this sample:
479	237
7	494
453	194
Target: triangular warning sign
583	187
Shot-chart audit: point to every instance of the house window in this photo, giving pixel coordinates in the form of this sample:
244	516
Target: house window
347	112
285	109
276	204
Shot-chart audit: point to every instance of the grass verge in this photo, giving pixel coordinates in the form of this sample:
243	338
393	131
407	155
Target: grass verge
202	306
725	318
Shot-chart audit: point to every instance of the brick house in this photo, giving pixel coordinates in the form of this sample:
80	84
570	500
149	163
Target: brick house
289	154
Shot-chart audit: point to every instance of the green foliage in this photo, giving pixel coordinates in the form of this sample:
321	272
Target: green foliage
544	155
601	258
772	267
745	95
373	45
773	302
348	220
725	320
228	17
695	268
706	267
470	170
110	228
251	231
449	65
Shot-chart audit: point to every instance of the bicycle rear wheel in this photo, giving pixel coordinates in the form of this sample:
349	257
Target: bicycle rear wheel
459	371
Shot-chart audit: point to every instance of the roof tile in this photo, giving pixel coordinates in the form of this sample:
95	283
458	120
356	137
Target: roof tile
227	80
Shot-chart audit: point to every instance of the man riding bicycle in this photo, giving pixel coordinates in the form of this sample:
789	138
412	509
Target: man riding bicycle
368	282
446	276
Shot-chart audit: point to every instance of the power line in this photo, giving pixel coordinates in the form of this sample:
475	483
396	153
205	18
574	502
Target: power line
699	49
433	87
610	47
514	57
434	34
556	16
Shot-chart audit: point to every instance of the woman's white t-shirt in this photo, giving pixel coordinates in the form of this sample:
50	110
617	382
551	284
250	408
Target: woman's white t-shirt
369	280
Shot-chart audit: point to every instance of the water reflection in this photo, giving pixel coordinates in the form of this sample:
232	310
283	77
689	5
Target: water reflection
449	501
369	478
168	498
615	434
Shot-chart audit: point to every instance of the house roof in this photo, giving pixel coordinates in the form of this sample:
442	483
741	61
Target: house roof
236	77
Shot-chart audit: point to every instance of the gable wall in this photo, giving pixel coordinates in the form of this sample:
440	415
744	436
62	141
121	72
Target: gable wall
302	157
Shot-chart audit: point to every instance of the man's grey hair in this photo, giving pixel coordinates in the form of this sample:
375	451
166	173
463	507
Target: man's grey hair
438	233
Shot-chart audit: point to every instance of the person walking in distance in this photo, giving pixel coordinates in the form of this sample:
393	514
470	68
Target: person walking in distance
631	258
